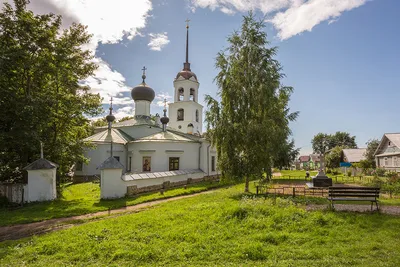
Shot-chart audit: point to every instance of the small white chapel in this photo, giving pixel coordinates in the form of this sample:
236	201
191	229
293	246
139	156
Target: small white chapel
154	154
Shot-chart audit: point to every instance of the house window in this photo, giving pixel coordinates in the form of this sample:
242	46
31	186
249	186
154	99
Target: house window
197	115
180	114
213	163
116	157
386	161
79	166
180	94
130	163
395	162
389	143
146	164
173	164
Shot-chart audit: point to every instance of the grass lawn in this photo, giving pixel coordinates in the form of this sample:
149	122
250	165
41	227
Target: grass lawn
222	228
77	199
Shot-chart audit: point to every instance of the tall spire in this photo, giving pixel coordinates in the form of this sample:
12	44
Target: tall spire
110	118
186	65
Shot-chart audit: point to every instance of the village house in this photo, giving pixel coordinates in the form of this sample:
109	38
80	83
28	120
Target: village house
387	155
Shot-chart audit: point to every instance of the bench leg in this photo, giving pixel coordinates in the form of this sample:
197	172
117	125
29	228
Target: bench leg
377	207
372	205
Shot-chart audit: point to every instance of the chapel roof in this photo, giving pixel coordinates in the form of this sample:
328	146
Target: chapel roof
116	135
166	136
41	164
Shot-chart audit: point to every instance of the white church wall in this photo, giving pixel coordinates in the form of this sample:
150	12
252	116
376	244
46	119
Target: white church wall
41	185
189	108
207	152
142	107
98	155
111	184
160	152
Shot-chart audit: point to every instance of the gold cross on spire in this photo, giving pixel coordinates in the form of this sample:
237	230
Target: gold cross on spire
144	70
187	23
165	102
111	108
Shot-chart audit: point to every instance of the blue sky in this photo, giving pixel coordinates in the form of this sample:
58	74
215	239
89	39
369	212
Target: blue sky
344	70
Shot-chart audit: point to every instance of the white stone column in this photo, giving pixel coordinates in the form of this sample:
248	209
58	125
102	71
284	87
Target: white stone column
41	181
111	183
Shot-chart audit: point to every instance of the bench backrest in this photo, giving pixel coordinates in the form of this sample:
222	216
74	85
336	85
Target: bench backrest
361	192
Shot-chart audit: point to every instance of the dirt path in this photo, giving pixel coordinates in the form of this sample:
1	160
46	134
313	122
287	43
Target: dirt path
15	232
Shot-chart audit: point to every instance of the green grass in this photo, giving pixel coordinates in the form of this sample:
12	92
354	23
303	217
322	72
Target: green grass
77	199
222	228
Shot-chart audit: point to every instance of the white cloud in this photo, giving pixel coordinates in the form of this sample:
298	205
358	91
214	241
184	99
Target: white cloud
289	17
124	112
158	41
108	22
304	17
160	99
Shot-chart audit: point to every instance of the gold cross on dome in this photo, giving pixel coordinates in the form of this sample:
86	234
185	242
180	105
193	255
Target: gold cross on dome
165	103
187	23
144	70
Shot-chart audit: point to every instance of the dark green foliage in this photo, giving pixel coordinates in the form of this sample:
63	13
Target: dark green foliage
321	142
372	145
250	126
42	100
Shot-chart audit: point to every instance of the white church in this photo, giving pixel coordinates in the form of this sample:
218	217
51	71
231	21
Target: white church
154	154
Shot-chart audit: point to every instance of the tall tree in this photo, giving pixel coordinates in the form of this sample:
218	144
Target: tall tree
251	122
372	146
41	67
286	155
322	142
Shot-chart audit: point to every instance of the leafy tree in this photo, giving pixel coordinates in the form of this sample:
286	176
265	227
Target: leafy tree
332	159
342	139
125	118
372	146
42	100
286	155
322	142
250	123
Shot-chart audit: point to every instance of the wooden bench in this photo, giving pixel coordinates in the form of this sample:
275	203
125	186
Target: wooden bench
345	193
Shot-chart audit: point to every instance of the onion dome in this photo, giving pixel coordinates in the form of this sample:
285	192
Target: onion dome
164	120
143	91
110	117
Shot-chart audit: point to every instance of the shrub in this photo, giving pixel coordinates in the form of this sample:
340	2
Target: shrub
335	172
380	172
328	171
3	202
349	173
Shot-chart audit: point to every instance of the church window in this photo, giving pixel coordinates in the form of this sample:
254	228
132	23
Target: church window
130	163
173	164
213	163
180	94
191	97
181	114
146	164
197	115
116	157
79	166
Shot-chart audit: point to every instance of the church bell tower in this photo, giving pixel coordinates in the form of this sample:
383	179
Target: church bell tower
185	113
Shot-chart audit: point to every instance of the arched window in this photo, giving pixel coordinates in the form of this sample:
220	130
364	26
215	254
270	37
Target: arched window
197	115
180	94
191	97
180	114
